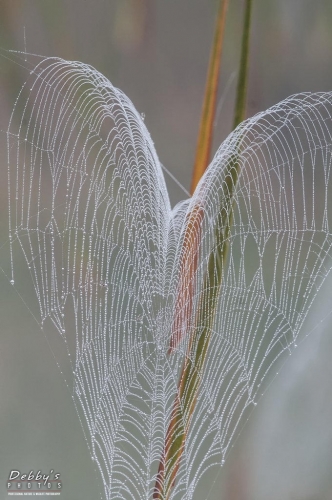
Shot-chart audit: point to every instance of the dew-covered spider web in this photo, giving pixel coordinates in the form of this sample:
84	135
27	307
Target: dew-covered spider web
126	281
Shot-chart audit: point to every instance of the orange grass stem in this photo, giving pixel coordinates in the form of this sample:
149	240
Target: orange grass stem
192	369
205	135
189	256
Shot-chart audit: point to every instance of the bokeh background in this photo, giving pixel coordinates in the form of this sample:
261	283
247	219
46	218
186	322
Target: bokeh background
157	52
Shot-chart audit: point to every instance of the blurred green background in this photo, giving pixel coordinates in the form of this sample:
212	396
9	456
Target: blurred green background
157	52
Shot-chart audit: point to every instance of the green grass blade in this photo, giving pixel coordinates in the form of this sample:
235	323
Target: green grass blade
199	342
241	94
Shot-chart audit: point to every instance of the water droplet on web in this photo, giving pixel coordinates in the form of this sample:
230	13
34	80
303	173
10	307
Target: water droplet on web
12	282
98	315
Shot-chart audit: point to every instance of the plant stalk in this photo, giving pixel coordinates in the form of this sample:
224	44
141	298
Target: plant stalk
205	135
242	85
192	369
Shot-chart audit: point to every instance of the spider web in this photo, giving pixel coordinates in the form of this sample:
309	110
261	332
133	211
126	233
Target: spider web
120	275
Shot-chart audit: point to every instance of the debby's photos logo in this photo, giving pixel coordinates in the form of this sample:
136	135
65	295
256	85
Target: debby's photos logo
34	483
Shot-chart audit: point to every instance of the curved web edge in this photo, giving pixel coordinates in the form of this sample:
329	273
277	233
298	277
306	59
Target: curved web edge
279	253
90	211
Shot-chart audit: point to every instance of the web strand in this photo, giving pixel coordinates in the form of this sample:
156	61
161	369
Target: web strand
90	215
